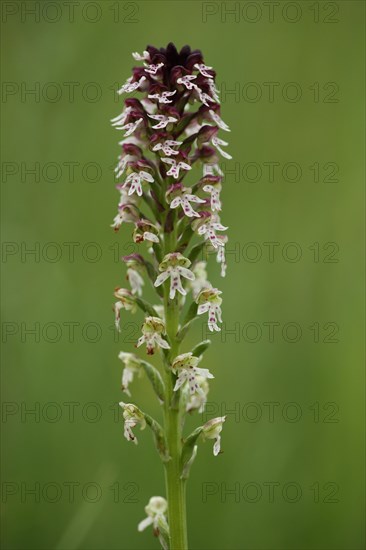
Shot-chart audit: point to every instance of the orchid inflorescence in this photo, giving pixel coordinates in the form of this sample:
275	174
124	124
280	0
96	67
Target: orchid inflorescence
170	132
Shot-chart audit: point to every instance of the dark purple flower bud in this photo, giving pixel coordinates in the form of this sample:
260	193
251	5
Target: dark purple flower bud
206	154
194	58
144	163
137	73
211	180
177	72
132	149
206	133
173	191
156	137
155	55
133	258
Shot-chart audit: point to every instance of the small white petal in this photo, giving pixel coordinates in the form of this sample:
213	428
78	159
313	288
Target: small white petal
203	308
144	523
175	202
150	237
161	278
146	176
186	273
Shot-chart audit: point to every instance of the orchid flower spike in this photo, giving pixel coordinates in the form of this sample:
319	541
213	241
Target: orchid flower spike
170	124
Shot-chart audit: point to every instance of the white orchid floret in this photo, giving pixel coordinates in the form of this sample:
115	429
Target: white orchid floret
135	280
132	416
153	69
178	195
134	181
211	169
175	167
163	120
208	227
214	191
145	56
174	266
213	90
203	70
212	430
130	86
120	120
193	128
132	366
123	161
167	147
127	213
163	97
117	222
222	260
130	127
200	282
220	256
149	106
209	301
205	98
145	231
125	301
216	142
197	401
152	331
156	512
185	367
220	253
187	81
218	120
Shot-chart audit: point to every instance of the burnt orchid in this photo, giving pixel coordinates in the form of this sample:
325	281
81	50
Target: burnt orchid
170	135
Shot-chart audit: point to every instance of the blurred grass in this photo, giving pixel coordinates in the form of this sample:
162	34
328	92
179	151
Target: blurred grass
81	451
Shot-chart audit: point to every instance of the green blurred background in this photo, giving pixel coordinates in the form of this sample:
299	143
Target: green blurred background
292	472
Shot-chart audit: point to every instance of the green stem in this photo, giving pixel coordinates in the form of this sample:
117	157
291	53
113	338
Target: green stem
175	486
